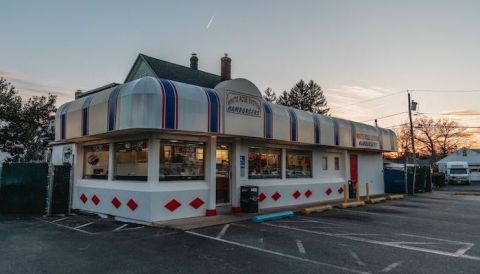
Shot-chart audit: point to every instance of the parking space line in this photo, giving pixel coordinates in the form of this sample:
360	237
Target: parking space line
84	225
58	220
391	266
120	227
378	242
300	246
65	226
222	232
346	269
357	258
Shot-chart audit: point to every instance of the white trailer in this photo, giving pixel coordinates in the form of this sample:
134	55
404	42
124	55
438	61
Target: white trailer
458	172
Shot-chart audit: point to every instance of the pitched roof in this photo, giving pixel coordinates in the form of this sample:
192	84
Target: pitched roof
175	72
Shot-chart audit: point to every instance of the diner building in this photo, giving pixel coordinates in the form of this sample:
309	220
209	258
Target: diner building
154	149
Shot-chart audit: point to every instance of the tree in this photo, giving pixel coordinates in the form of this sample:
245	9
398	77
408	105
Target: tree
24	125
305	96
434	138
270	96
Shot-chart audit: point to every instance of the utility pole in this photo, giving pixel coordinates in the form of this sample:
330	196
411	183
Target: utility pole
376	123
412	140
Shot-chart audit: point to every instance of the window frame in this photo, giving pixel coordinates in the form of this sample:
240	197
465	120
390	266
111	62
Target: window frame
264	149
142	178
324	163
336	163
84	151
172	142
298	152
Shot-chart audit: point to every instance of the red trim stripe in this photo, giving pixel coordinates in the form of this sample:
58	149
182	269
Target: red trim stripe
176	103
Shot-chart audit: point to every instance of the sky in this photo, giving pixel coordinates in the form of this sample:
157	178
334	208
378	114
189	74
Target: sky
356	50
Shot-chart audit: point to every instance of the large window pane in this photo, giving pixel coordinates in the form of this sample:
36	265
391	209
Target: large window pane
131	160
95	161
264	163
299	164
181	161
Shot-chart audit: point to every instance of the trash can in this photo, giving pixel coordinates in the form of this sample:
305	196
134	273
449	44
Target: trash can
249	199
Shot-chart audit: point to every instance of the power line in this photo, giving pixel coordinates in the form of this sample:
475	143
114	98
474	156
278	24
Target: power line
446	114
368	100
383	117
446	90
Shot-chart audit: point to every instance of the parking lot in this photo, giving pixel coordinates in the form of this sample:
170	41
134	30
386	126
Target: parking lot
426	233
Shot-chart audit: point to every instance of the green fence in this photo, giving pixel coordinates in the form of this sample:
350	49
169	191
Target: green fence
23	188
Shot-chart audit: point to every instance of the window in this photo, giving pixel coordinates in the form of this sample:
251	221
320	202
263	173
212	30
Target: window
131	160
95	161
337	163
299	164
264	163
324	163
181	161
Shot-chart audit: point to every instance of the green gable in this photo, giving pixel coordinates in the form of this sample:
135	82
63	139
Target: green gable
148	66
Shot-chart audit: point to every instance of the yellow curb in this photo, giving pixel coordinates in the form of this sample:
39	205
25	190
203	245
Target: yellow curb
322	208
376	200
395	197
351	204
468	193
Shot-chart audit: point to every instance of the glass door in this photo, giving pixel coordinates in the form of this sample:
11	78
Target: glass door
223	174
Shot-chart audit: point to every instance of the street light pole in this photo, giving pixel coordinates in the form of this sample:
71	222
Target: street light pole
412	140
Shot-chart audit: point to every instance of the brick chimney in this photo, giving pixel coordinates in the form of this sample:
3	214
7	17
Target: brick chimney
226	68
194	61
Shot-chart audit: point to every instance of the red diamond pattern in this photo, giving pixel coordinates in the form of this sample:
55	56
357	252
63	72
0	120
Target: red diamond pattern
328	191
132	204
83	198
196	203
116	202
308	193
296	194
276	196
261	197
95	199
172	205
340	190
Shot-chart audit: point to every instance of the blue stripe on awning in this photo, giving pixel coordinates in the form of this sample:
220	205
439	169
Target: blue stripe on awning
316	123
267	121
170	104
214	110
380	136
112	108
63	121
293	125
354	134
85	108
336	132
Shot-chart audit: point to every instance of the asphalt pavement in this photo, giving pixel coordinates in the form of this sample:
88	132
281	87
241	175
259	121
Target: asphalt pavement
426	233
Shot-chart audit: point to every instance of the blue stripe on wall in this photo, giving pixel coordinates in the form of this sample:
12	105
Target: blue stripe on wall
392	140
214	109
112	108
380	136
316	123
268	121
170	104
293	125
336	132
354	134
85	108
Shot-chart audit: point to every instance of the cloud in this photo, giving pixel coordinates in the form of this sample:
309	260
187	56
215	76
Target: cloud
27	88
465	112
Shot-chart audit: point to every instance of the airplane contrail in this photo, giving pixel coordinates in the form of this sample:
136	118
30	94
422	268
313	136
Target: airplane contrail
210	22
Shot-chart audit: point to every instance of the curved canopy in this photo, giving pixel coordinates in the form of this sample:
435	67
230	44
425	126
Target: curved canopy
234	107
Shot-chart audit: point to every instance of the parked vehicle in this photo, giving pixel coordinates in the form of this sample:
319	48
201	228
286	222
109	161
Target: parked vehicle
458	173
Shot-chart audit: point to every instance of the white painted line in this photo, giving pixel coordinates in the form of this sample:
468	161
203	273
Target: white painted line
58	220
132	228
84	225
314	220
431	238
222	232
377	242
390	267
65	226
356	258
279	253
300	246
462	251
120	227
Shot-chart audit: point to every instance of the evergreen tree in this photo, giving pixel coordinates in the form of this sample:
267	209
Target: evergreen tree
305	96
270	96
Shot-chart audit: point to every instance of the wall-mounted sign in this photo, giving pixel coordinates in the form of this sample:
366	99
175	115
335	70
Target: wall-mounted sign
368	141
244	104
